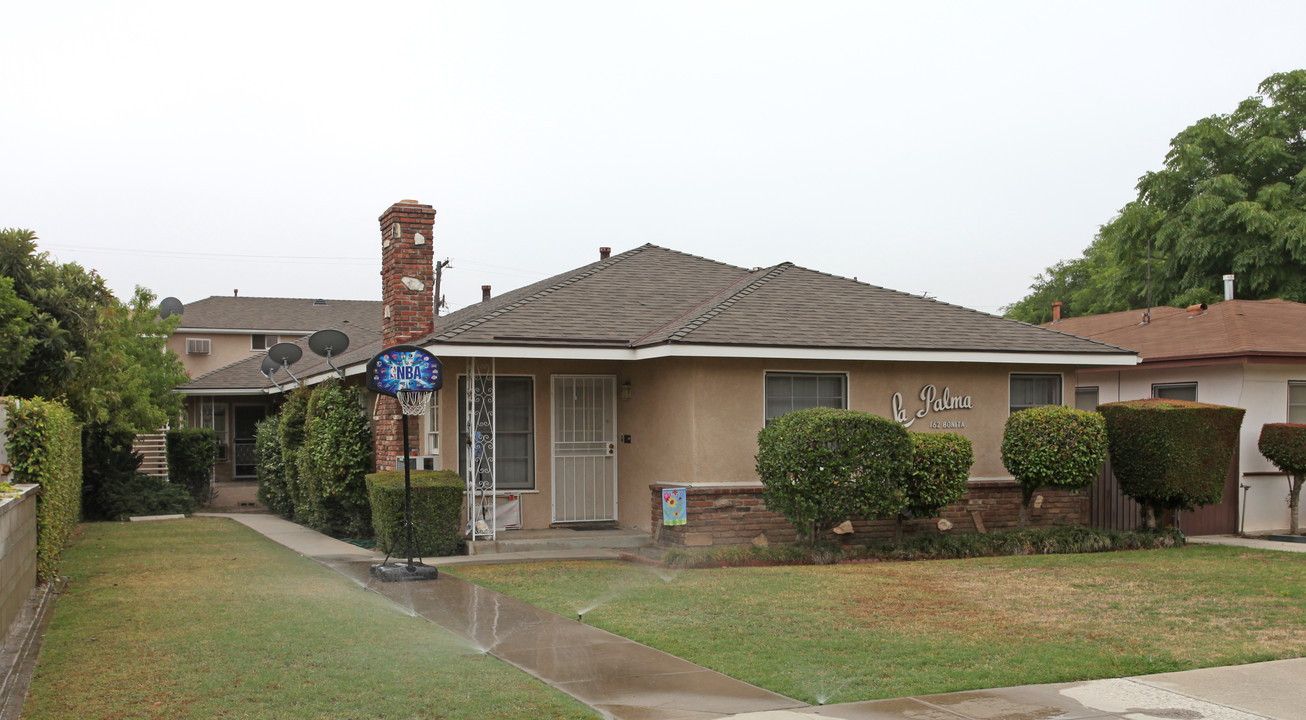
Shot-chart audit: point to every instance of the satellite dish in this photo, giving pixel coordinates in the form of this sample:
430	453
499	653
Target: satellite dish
327	343
269	369
286	354
170	306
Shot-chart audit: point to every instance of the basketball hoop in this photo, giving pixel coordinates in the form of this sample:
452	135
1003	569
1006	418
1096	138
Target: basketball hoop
414	402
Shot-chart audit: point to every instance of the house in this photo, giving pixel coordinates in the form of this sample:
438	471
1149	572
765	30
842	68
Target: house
219	332
581	396
1244	353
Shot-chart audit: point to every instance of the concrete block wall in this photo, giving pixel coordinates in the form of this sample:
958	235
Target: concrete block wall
17	553
735	515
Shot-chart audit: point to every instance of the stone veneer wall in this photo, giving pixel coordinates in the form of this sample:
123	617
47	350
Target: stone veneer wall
738	516
17	554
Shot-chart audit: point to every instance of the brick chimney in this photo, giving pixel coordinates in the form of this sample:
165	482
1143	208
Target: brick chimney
1056	311
408	296
604	253
407	272
485	293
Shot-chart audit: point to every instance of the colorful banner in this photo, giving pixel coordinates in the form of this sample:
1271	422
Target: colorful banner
673	506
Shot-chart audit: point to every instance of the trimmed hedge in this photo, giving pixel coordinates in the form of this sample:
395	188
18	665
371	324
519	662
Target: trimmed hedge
437	511
1052	446
271	468
823	466
940	469
334	460
1284	444
45	447
293	414
191	454
1171	454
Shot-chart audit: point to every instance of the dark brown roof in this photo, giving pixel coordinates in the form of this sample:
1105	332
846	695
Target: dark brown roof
247	375
654	296
1228	329
255	314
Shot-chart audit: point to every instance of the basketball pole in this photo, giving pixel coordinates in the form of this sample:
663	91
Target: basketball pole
408	496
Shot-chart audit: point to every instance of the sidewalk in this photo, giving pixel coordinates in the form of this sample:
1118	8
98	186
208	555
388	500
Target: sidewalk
624	679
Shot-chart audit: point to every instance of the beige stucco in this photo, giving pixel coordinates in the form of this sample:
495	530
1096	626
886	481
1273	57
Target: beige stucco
695	420
225	348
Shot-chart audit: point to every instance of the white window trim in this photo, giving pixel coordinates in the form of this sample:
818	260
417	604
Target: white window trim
269	339
1190	383
1288	407
1060	376
432	418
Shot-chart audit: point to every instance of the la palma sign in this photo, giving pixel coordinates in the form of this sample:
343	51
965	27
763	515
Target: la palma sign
932	401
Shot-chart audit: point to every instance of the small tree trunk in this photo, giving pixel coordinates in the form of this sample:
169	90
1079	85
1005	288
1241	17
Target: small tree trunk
1294	503
1149	517
902	520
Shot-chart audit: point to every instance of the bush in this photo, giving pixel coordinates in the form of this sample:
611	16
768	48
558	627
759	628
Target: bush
334	462
1171	454
437	511
144	495
270	468
1284	445
822	466
1052	446
939	472
293	414
191	454
45	447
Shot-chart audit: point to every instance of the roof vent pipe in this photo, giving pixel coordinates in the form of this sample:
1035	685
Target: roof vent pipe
1228	287
1056	311
604	252
485	293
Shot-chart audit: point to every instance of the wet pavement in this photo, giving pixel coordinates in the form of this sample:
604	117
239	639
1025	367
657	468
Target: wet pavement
624	679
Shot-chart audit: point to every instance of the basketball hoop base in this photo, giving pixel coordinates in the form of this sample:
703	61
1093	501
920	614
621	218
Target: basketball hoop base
404	572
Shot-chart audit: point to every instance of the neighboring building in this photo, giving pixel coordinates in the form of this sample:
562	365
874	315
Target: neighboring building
218	332
1244	353
583	394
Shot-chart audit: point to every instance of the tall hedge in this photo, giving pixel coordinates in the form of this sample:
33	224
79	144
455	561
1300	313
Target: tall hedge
940	470
822	466
271	468
1284	444
1171	454
191	454
437	512
334	461
45	447
293	414
1052	446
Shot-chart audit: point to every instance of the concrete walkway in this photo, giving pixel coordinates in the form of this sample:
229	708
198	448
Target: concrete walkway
623	679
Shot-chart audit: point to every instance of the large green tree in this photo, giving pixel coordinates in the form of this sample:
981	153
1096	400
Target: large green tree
1231	199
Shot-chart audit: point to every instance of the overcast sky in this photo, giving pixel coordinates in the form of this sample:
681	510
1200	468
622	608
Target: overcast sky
955	149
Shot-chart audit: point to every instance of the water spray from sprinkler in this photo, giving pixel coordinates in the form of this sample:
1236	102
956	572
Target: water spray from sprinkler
580	617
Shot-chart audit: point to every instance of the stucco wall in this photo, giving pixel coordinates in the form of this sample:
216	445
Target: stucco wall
695	420
225	348
1259	388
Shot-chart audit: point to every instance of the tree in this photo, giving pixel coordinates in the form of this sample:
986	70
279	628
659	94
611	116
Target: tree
1230	199
822	466
939	472
1052	446
1284	445
16	341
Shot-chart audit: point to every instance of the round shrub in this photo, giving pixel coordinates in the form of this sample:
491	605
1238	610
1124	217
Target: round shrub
1052	446
437	511
823	466
940	469
1171	454
1284	444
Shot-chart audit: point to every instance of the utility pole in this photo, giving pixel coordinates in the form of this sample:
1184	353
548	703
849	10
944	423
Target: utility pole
439	299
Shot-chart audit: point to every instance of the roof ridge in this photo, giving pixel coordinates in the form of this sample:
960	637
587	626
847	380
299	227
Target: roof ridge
581	274
759	278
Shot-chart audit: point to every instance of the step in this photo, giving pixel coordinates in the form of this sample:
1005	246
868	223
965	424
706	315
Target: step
559	539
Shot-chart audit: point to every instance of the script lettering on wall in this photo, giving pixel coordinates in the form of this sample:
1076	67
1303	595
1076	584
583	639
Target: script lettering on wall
932	400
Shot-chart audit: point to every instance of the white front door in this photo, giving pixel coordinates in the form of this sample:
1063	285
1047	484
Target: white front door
584	448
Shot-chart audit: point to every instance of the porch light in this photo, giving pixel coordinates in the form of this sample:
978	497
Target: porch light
625	390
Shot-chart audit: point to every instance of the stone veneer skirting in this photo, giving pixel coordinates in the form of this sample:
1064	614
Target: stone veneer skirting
736	515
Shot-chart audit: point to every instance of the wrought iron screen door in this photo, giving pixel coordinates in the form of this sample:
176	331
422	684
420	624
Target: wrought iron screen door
584	448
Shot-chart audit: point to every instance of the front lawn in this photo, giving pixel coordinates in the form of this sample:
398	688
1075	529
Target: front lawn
842	633
204	618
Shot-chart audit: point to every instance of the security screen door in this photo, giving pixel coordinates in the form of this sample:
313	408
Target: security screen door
584	448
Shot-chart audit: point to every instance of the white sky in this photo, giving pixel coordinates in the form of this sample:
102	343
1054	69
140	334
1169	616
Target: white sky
950	148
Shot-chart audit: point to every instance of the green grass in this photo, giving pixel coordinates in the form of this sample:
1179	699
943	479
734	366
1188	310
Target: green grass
204	618
840	633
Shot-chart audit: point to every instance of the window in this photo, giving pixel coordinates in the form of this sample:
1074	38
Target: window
1034	390
787	392
1086	398
514	431
218	421
433	426
1297	402
263	342
1175	391
198	346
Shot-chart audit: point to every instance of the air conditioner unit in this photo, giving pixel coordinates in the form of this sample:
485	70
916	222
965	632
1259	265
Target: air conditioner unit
418	462
198	346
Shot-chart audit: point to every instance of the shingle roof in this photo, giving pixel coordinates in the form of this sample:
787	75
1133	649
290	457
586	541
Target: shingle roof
220	312
1227	329
654	296
247	374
